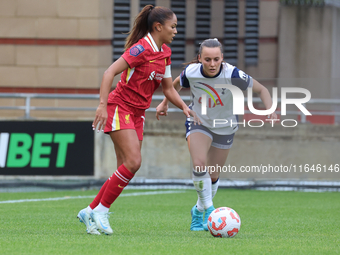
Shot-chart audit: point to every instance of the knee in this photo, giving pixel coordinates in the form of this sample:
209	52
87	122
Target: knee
213	179
199	165
133	162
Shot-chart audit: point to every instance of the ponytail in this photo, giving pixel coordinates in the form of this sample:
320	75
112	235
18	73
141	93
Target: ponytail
144	22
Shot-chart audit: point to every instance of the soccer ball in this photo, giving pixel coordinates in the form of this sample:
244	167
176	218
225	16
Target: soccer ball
224	222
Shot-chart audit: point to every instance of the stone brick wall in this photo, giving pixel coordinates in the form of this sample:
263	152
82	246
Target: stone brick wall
53	46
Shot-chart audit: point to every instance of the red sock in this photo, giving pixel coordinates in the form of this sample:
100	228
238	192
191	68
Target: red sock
97	199
118	181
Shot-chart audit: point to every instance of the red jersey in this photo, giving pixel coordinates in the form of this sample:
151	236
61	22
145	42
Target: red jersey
147	66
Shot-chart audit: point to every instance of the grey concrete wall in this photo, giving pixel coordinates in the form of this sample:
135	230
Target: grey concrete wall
305	45
309	51
165	152
335	91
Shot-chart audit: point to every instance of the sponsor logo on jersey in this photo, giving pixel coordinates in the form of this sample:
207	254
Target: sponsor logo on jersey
158	76
210	103
136	50
152	75
217	101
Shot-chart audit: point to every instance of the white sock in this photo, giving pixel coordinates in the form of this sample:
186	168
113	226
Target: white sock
199	205
89	209
101	208
214	187
202	184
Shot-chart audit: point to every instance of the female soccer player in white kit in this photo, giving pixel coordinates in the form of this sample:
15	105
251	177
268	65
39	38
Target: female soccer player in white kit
209	143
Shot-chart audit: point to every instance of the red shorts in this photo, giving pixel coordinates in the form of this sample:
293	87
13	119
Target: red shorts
121	116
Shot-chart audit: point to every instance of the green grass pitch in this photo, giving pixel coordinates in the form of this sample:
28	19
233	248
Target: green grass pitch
273	222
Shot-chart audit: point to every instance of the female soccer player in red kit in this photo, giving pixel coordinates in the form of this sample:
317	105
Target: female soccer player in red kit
121	114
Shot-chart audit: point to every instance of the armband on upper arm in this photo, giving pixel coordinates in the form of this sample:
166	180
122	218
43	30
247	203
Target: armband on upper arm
167	72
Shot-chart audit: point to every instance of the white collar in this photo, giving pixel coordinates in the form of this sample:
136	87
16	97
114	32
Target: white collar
152	43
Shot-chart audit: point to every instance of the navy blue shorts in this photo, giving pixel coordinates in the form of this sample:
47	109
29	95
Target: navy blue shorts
218	141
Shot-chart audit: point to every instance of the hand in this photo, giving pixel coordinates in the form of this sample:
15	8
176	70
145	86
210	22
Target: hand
186	111
162	110
272	117
196	119
100	119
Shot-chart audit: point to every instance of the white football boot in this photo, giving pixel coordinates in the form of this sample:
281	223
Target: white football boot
102	221
85	218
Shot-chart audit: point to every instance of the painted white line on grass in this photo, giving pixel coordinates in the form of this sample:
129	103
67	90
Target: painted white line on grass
81	197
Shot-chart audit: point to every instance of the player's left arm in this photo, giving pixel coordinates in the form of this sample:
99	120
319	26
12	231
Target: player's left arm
162	108
264	94
172	95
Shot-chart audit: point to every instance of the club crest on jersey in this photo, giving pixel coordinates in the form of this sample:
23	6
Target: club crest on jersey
127	119
136	50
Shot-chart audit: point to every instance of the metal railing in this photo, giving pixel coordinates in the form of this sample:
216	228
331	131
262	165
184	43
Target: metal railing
28	107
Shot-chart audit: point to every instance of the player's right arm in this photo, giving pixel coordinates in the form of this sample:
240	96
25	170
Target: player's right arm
101	114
